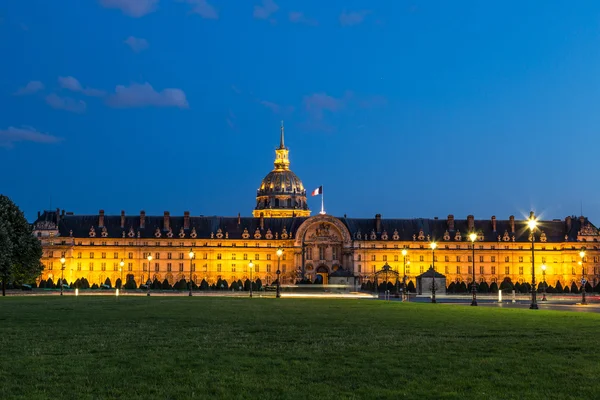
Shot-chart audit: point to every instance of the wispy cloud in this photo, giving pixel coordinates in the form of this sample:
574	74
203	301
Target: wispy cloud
71	83
66	103
277	108
133	8
204	9
317	103
353	17
266	9
299	18
136	44
144	95
30	88
11	135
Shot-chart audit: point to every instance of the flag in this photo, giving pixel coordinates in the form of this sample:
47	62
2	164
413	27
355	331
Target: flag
317	191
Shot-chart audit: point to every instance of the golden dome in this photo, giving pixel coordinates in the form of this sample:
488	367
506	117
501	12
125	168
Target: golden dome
281	193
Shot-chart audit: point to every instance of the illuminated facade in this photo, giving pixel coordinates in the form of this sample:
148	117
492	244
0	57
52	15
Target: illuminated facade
95	246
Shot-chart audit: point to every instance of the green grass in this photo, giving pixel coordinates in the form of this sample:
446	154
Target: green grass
180	348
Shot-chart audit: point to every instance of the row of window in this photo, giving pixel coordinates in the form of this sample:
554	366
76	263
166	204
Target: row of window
156	256
470	259
169	266
459	270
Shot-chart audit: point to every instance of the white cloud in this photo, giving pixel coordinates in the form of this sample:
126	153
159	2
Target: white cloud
353	17
66	103
71	83
265	10
30	88
12	135
144	95
136	44
133	8
299	18
204	9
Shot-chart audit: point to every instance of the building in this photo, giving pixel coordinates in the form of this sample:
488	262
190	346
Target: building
102	246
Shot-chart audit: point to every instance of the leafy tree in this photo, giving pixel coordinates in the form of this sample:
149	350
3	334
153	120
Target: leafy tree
204	285
33	285
559	287
20	251
451	288
95	286
494	287
411	287
84	283
507	285
118	283
225	285
49	284
234	286
258	284
240	284
42	284
247	284
461	287
566	289
166	285
574	288
155	285
130	284
484	287
108	283
219	284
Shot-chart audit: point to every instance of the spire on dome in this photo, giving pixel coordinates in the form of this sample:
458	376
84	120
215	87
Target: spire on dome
281	141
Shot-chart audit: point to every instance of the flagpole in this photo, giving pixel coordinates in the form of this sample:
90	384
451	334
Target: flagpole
322	201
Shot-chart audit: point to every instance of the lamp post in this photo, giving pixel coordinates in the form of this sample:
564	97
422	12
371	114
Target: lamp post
62	273
583	281
192	255
250	267
121	265
532	223
473	237
544	281
404	253
279	253
149	282
433	245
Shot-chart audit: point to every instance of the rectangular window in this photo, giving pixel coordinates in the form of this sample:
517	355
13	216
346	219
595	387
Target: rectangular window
384	258
283	257
181	256
257	256
469	259
130	255
232	267
507	259
321	253
78	266
396	258
520	258
507	270
157	256
458	269
116	255
218	267
180	267
205	256
50	254
169	255
421	258
359	268
373	257
481	270
446	258
233	256
421	269
115	266
256	268
480	258
79	255
469	269
91	266
156	267
520	270
103	255
91	255
218	256
268	256
493	258
493	270
268	267
446	270
245	256
129	267
103	266
407	269
168	267
543	260
359	258
50	265
457	258
144	266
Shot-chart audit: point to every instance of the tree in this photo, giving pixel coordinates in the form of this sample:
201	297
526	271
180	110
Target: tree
559	287
484	287
49	284
588	287
494	287
247	285
20	251
118	283
574	288
130	284
451	288
411	287
258	284
166	285
108	283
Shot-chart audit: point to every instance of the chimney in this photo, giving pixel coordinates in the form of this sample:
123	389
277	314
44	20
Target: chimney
378	223
62	213
142	219
101	219
122	219
471	223
239	219
262	221
166	221
57	216
186	220
568	222
512	223
450	222
581	221
493	223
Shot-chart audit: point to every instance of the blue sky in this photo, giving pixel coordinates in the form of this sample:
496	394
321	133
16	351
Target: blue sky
404	108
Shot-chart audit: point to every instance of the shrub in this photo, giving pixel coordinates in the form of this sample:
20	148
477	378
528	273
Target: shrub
219	284
33	285
461	287
49	284
588	287
95	286
225	285
247	284
258	284
204	285
566	289
42	284
411	287
507	285
484	287
118	283
574	288
234	285
240	284
130	284
559	287
84	283
155	285
166	285
494	287
108	283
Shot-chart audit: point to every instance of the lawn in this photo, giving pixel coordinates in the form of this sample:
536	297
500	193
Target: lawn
200	347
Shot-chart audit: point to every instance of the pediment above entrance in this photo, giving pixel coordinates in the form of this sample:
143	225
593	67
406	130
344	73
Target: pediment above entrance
323	228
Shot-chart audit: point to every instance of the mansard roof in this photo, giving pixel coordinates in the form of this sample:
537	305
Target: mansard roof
207	227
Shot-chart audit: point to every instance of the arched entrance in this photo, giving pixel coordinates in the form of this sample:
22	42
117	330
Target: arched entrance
322	275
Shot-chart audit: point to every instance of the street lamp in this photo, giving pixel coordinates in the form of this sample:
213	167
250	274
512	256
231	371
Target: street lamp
250	267
121	265
532	224
279	253
192	255
62	273
433	245
473	237
544	280
404	253
583	281
149	282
